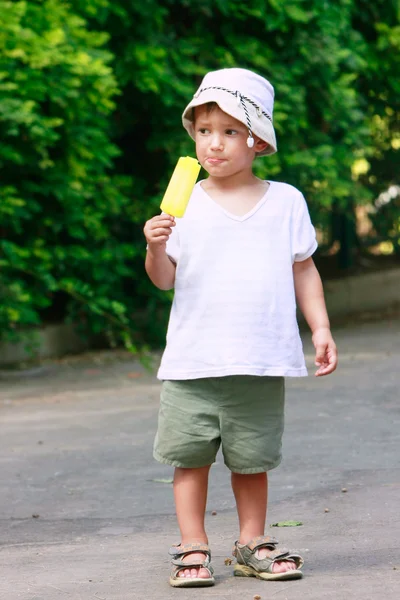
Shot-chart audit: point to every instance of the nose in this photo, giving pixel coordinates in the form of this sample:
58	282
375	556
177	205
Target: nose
216	141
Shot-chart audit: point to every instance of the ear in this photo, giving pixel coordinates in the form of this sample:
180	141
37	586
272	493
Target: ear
260	145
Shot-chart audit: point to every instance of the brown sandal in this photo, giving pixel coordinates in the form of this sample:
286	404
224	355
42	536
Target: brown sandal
178	553
249	565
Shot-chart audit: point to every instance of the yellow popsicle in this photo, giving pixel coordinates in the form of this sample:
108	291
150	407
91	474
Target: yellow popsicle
180	187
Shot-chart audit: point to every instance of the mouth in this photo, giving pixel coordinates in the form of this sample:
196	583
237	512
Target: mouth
215	161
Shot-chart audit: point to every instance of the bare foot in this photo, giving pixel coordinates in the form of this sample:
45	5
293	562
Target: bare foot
194	572
280	566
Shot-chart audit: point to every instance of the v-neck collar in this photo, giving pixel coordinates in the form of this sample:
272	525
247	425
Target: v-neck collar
247	215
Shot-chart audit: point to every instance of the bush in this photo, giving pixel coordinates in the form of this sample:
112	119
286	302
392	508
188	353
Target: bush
61	208
91	97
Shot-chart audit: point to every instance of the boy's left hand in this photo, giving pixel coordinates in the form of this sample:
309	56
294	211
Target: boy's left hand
326	357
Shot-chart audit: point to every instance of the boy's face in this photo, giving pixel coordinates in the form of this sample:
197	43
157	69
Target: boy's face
221	142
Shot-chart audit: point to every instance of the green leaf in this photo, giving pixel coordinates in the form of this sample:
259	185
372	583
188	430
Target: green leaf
287	524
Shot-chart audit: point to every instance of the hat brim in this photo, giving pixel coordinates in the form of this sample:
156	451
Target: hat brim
260	126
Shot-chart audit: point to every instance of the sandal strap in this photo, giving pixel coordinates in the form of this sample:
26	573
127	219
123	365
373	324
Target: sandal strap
191	563
278	554
179	550
195	564
259	542
272	556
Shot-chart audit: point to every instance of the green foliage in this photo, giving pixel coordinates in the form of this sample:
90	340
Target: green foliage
91	95
317	54
61	207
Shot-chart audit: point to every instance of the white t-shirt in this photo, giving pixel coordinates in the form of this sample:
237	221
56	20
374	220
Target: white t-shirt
234	308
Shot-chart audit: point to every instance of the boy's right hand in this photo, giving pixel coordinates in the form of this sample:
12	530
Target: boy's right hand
157	231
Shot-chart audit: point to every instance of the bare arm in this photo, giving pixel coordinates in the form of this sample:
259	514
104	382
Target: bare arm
310	294
159	266
160	269
311	301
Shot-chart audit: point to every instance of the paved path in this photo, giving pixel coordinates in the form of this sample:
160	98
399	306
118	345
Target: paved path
81	516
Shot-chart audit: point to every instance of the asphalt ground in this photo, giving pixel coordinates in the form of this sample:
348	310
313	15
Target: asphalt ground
86	513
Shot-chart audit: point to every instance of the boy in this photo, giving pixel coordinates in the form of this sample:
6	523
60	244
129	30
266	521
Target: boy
238	260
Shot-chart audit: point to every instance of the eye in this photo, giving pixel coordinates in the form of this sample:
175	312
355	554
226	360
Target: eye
231	132
203	130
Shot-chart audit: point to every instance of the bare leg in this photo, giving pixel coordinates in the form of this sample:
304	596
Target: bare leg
251	494
190	492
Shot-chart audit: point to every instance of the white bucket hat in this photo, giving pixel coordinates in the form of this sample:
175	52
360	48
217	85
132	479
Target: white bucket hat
242	94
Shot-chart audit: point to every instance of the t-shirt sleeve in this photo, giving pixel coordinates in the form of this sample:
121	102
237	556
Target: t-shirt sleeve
173	246
304	241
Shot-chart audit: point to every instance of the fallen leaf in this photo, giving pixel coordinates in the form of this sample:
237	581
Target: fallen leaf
35	516
228	561
344	490
163	480
327	510
257	597
287	524
214	512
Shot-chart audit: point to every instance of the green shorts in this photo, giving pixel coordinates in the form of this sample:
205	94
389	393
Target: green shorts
244	414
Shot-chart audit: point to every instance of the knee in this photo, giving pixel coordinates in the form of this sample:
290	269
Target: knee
192	472
249	477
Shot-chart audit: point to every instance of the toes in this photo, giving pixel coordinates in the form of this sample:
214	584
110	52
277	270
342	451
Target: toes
194	573
282	566
203	574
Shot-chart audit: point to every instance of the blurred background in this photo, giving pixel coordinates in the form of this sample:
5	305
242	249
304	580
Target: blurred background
91	96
